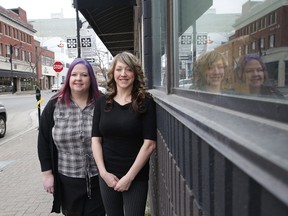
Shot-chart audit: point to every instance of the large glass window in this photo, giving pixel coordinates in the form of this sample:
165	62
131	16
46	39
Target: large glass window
159	28
217	52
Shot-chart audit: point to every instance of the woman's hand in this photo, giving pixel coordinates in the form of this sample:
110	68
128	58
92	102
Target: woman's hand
110	179
48	181
123	184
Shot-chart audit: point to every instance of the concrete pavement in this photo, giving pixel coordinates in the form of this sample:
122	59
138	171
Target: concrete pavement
21	190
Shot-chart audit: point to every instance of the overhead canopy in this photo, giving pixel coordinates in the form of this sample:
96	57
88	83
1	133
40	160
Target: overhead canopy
112	20
14	73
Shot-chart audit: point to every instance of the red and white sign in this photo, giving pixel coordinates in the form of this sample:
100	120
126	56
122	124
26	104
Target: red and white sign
58	66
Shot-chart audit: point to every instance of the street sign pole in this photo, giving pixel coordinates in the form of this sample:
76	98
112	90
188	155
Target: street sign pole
78	28
58	67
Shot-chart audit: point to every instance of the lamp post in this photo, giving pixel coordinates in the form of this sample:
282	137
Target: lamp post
78	26
11	65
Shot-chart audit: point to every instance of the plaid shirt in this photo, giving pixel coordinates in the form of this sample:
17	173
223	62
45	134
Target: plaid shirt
72	136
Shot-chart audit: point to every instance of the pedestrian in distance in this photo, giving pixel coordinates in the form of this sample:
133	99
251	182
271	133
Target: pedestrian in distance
124	137
64	144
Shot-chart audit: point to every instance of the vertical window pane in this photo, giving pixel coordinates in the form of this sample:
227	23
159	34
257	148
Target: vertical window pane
159	42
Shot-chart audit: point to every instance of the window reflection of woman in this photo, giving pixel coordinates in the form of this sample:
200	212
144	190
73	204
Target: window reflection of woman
209	71
253	76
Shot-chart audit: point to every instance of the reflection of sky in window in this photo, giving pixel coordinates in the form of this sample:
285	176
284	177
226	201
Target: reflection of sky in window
163	60
228	6
217	31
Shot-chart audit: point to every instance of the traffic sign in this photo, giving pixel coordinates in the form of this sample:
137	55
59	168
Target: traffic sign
185	57
58	66
91	60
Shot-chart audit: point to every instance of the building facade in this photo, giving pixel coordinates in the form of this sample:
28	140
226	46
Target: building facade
44	66
17	51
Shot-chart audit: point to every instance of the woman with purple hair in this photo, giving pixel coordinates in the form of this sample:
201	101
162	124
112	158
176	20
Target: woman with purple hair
64	144
253	77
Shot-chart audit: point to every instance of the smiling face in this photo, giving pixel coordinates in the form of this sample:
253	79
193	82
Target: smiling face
215	74
254	73
79	81
123	76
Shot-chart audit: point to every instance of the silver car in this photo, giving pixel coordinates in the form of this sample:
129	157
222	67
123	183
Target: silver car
3	119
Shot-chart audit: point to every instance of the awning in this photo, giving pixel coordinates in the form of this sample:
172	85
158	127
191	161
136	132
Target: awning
18	74
112	20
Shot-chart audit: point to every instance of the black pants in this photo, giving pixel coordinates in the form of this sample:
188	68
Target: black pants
75	201
128	203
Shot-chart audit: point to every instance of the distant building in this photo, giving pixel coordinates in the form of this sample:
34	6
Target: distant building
17	51
54	27
44	64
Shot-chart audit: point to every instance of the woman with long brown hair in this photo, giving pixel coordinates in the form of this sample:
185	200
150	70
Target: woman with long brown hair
124	137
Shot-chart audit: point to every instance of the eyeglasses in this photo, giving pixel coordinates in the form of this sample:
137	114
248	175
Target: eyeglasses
251	70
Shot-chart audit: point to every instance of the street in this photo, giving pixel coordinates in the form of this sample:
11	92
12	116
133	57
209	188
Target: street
22	112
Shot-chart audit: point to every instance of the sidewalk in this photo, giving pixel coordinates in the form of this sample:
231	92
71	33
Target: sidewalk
21	191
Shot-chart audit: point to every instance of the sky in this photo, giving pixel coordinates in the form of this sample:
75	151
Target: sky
40	9
228	6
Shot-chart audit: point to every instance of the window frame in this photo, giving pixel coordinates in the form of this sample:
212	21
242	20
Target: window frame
260	107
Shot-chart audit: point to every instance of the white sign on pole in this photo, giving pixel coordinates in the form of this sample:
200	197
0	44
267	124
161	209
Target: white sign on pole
88	46
72	47
185	42
201	43
86	42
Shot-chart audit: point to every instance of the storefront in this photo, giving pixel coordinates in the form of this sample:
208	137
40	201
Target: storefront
22	81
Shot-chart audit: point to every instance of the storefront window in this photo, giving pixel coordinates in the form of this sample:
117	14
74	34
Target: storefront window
217	53
159	10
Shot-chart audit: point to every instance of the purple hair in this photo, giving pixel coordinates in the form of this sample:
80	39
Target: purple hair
243	62
64	94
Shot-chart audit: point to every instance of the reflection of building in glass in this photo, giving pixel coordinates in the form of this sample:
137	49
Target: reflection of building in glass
256	32
211	30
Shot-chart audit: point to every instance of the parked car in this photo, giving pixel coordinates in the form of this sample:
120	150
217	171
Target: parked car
55	88
185	83
3	119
